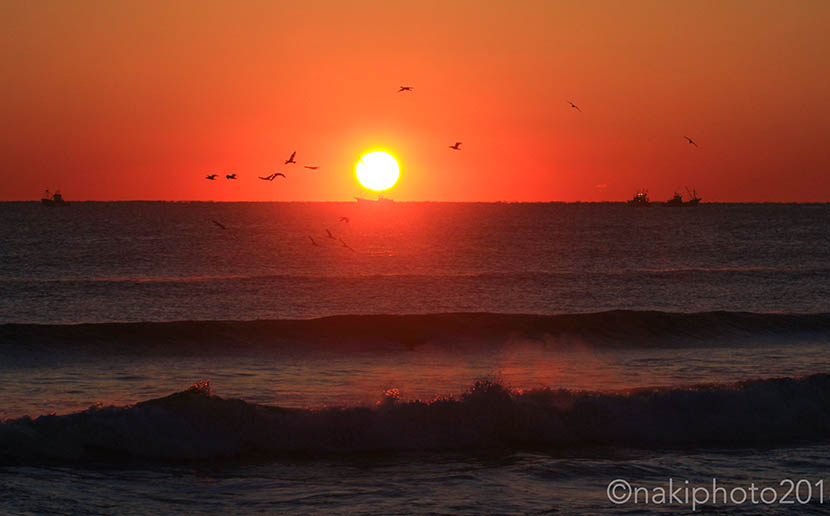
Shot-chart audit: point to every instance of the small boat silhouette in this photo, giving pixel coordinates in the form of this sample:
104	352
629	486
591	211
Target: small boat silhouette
381	200
640	200
55	199
677	200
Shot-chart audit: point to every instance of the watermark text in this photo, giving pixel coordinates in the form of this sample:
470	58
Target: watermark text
696	495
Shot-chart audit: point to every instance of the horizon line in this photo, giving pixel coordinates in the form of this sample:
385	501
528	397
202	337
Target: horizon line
37	201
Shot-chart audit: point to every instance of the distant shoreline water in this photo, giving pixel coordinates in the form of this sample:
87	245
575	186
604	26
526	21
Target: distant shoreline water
162	261
352	202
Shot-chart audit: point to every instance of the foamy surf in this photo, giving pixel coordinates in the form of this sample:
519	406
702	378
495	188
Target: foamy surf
197	425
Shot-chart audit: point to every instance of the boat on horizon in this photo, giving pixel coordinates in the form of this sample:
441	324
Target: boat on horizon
381	200
677	200
640	200
55	199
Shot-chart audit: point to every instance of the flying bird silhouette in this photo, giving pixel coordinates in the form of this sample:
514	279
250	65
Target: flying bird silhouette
219	224
291	159
311	168
574	106
406	88
457	146
272	176
344	219
212	177
315	244
328	234
230	176
346	245
691	142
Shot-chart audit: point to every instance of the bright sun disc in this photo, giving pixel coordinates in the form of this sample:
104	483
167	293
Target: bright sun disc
377	170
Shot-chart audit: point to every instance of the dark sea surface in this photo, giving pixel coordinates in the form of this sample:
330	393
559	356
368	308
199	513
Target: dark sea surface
425	358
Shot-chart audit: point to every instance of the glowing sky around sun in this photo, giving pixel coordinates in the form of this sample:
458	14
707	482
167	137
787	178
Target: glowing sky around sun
139	100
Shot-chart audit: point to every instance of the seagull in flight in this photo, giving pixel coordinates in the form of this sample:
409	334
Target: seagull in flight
574	106
344	219
291	159
328	234
272	176
346	245
691	142
211	177
230	176
310	168
406	88
315	244
457	146
219	224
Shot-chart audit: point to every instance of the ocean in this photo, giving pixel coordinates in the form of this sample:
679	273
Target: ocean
451	358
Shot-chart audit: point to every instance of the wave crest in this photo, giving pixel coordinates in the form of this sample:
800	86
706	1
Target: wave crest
631	328
197	425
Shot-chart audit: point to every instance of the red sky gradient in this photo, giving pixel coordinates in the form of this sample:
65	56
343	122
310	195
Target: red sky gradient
139	100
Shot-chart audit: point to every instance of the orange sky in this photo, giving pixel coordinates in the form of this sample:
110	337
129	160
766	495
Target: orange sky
139	100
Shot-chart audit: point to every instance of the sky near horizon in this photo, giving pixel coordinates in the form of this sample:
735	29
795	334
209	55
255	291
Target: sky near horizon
141	99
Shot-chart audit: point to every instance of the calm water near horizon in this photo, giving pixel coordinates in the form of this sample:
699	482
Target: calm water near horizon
689	343
152	261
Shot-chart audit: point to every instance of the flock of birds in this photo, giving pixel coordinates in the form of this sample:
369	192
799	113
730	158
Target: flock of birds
292	161
289	161
271	177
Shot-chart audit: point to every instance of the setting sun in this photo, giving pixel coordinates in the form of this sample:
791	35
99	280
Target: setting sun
377	171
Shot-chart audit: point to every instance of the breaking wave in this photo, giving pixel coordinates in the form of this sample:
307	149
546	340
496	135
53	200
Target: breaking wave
619	327
197	425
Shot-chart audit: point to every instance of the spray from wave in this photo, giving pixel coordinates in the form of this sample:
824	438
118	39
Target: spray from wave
197	425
